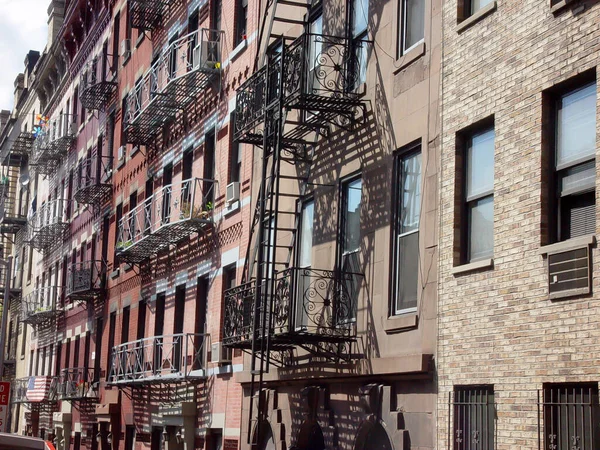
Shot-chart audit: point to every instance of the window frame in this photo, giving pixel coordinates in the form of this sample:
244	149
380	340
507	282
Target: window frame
409	151
403	29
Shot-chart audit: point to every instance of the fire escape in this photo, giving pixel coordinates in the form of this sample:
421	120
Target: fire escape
78	384
307	86
147	14
184	69
18	151
41	306
98	83
49	225
53	143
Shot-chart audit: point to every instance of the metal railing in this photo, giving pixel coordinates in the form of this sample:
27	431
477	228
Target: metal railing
91	183
317	73
86	279
168	358
36	389
13	153
473	412
48	224
97	83
306	303
167	217
181	71
77	384
53	141
41	305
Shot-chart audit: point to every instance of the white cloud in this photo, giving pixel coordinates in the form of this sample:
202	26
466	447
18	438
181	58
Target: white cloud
23	27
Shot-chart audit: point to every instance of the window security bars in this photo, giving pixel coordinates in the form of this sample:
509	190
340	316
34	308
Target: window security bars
47	227
92	186
85	280
181	72
473	412
570	416
309	304
319	74
147	14
41	305
77	384
167	358
53	142
97	83
166	217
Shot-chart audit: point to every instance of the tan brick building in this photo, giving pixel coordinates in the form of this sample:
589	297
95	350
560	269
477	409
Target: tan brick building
518	344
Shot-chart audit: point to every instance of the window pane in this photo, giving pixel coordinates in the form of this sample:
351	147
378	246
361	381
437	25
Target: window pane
360	13
410	196
408	271
352	203
576	127
414	22
577	179
578	214
306	235
481	228
480	164
476	5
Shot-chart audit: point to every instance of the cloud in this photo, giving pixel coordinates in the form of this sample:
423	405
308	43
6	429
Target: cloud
23	27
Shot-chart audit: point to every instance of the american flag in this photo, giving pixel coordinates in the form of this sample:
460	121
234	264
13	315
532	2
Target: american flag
38	389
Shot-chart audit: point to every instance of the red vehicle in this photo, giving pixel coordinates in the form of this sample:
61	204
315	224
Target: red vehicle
15	442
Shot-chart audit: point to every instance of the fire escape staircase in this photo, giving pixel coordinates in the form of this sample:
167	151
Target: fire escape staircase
146	15
305	85
12	218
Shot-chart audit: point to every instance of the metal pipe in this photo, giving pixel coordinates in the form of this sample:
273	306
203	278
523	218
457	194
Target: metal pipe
8	267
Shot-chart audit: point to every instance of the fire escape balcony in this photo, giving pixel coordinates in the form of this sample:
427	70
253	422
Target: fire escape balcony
160	359
147	14
86	280
308	306
167	217
41	305
12	219
53	143
98	83
34	390
92	180
14	153
48	226
183	70
319	76
77	384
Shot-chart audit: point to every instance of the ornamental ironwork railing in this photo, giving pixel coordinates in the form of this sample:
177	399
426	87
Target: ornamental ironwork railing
180	73
169	358
166	217
307	304
97	85
147	14
34	390
92	180
317	73
48	225
86	279
41	305
77	384
53	142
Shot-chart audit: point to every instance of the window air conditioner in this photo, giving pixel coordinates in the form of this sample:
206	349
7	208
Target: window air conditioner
125	48
121	153
233	192
219	354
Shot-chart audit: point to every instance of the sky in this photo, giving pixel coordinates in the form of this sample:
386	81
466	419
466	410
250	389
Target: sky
23	27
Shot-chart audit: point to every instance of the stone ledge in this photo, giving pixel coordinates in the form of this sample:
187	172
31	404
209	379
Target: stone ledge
400	322
487	263
409	57
571	244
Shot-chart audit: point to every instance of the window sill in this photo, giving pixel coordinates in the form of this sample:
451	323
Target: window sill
134	150
479	15
409	57
234	207
121	163
570	293
115	274
559	6
483	264
571	244
126	59
396	324
238	50
140	39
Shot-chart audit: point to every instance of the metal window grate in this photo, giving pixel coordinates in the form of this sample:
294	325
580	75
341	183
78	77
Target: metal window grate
570	417
569	272
474	413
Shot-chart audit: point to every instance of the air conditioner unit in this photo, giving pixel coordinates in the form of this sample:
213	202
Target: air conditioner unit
121	152
209	55
73	128
219	354
233	192
125	48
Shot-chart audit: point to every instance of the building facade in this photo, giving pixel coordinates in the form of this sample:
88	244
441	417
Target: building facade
518	294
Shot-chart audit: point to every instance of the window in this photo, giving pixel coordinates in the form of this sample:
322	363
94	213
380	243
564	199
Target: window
120	234
129	437
241	20
474	417
479	195
209	166
412	24
359	13
229	277
125	325
235	153
141	323
351	205
574	162
406	233
116	38
571	416
469	7
305	248
215	15
111	342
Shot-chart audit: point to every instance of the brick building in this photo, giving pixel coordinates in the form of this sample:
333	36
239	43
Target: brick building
518	347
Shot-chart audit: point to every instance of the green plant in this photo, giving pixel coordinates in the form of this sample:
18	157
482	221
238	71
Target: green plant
124	244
